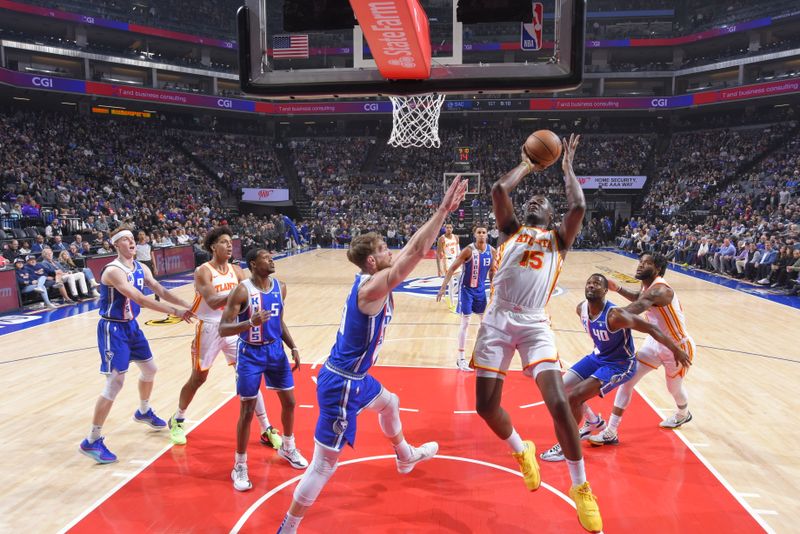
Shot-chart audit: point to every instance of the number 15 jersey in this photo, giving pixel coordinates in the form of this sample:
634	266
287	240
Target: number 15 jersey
528	265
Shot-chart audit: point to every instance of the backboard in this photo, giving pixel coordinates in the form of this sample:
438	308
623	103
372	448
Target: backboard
500	57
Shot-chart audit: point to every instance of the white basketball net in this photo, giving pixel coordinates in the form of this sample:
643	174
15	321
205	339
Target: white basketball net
416	120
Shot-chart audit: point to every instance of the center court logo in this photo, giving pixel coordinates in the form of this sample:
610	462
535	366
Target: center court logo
428	286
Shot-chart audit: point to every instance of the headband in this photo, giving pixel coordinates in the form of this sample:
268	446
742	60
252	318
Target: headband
120	235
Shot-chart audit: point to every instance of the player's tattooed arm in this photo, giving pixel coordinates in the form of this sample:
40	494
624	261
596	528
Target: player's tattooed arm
629	294
619	318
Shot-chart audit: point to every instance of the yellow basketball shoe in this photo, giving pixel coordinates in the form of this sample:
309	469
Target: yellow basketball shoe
588	511
528	465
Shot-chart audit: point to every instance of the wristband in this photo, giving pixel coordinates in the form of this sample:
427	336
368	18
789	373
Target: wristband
528	166
295	349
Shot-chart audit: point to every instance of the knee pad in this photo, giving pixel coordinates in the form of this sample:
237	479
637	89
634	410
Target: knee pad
322	467
678	392
623	397
389	415
148	370
114	382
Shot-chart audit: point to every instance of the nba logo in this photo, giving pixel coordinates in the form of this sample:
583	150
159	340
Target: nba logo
531	38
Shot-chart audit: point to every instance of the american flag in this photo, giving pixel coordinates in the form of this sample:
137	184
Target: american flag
290	46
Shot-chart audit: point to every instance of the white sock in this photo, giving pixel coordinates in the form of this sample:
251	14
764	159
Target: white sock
403	451
261	412
288	443
589	415
462	335
683	411
577	472
240	458
613	422
515	442
180	415
96	433
144	406
290	524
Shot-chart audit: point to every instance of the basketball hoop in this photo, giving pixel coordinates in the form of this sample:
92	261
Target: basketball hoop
416	120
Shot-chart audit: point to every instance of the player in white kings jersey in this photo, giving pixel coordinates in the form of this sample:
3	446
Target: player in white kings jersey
447	251
213	281
661	307
529	262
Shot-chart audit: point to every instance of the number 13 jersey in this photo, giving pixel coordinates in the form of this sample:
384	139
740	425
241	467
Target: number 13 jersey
528	265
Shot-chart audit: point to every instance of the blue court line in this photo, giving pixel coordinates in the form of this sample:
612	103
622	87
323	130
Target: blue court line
730	283
23	320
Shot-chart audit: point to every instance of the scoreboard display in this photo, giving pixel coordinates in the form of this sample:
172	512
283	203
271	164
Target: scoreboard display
464	154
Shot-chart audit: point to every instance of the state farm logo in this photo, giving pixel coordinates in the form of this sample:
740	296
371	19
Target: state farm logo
404	62
264	193
389	23
582	180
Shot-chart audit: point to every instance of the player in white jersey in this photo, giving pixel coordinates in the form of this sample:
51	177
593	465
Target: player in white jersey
528	265
661	306
213	281
448	250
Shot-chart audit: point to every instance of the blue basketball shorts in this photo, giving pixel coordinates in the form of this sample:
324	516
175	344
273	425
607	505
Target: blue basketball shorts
471	300
340	401
609	374
119	343
255	361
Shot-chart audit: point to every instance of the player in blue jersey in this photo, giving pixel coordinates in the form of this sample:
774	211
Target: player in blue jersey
254	312
344	387
478	260
613	361
120	340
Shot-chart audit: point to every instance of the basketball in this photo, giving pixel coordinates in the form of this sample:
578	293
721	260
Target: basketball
543	147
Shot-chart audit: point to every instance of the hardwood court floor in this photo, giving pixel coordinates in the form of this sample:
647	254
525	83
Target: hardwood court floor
742	386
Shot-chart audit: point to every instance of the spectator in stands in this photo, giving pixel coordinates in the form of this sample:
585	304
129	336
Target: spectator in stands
78	240
12	251
101	225
30	209
181	238
764	267
58	245
144	252
778	275
28	282
25	248
38	244
106	248
722	262
65	259
751	266
85	250
64	275
39	270
793	270
53	229
741	259
702	252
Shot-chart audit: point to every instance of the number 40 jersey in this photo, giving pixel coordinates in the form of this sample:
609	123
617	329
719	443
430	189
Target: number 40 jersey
609	346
